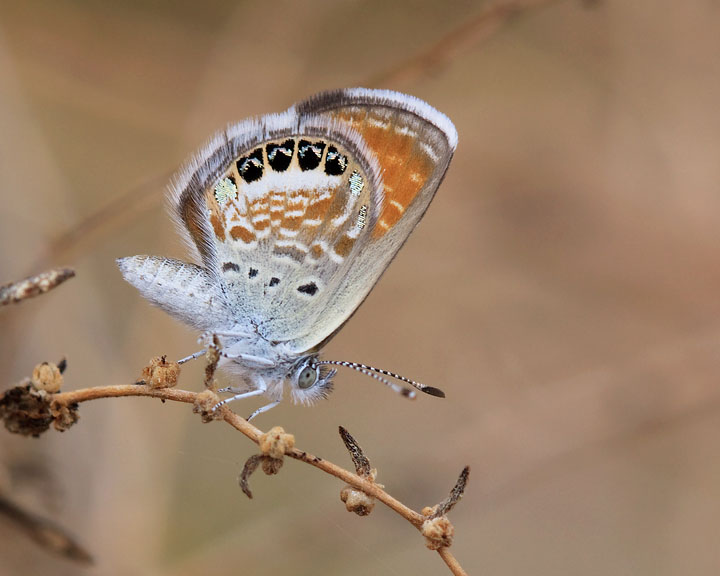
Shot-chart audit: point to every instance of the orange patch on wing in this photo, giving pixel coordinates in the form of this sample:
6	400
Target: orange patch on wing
259	206
218	227
193	224
316	251
317	210
344	245
292	222
243	234
399	158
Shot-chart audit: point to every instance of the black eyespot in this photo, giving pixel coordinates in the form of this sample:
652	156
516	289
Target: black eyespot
307	377
274	281
309	289
251	167
335	163
252	273
230	266
280	155
309	155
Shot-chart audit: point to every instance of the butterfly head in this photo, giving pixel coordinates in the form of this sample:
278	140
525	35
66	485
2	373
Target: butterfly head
310	381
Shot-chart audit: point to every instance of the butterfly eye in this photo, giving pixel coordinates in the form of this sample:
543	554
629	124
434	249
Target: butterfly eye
307	377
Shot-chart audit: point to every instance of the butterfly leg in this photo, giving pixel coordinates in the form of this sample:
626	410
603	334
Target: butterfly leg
192	356
249	358
207	337
262	409
238	397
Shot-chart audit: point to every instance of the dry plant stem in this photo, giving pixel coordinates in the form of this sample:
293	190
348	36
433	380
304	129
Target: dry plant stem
46	533
242	425
451	562
34	285
105	220
459	40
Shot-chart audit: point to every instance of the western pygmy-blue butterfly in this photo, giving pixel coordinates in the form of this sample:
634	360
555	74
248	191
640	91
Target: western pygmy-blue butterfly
293	218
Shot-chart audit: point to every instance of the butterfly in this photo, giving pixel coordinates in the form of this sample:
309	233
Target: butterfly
293	218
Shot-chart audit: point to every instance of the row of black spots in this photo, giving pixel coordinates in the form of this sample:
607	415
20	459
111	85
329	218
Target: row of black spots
310	289
280	155
310	154
251	167
335	163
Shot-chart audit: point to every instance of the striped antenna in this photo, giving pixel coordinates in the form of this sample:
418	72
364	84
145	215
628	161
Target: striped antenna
374	373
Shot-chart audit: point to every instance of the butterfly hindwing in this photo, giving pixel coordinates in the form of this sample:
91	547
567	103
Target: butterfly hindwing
298	214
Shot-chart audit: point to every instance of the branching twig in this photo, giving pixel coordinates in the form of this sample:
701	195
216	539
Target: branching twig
106	219
31	410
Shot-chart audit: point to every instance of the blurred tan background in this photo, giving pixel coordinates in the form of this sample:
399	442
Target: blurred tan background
563	288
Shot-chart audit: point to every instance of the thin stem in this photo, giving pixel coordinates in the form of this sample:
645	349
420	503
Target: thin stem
459	40
253	433
451	562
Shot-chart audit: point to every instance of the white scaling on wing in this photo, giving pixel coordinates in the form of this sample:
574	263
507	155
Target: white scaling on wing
291	179
384	124
236	213
430	151
258	218
354	232
406	131
335	257
260	206
285	233
243	221
400	208
262	234
347	210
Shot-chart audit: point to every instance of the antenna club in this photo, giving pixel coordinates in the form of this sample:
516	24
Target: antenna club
434	392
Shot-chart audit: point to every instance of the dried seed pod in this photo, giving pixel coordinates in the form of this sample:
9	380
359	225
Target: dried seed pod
64	415
47	377
25	410
276	442
357	501
438	532
271	465
205	401
160	373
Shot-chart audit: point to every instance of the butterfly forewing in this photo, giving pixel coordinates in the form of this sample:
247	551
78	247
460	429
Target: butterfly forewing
413	145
